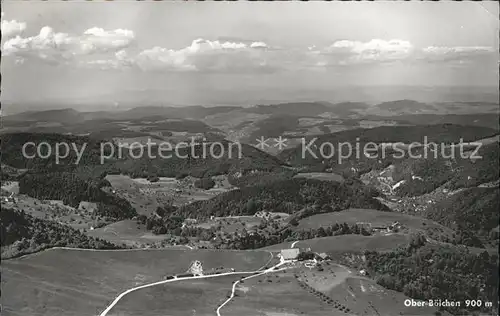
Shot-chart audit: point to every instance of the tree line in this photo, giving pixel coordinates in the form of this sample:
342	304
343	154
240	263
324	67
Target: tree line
22	234
425	271
73	188
286	196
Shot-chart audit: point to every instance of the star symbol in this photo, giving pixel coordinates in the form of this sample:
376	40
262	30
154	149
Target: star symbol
280	142
262	142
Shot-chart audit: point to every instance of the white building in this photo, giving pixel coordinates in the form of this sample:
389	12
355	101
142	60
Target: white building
290	254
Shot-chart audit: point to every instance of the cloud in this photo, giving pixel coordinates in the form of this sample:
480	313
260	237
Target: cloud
200	55
99	40
209	56
457	50
459	53
12	28
111	50
374	46
119	61
346	52
53	46
378	51
258	45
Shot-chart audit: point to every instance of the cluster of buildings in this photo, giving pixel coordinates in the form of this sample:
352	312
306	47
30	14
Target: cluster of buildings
263	214
392	228
9	199
294	254
268	215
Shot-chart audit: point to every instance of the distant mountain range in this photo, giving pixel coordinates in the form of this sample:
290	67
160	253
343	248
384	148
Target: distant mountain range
397	107
245	124
245	96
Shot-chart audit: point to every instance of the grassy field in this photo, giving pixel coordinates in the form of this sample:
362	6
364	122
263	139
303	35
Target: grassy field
127	232
333	291
324	281
78	218
146	196
129	189
322	176
11	186
365	297
232	224
82	283
180	298
376	218
360	295
346	243
276	294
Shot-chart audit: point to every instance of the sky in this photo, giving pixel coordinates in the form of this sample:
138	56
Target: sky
191	52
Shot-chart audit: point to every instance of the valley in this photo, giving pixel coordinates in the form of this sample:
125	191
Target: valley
81	234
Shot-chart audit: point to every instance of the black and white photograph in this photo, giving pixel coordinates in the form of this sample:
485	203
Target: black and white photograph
249	158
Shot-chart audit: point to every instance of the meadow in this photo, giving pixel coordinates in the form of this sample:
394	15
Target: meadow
61	282
347	243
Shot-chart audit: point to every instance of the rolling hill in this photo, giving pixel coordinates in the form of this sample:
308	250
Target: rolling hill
345	109
69	116
63	282
336	245
474	210
285	196
450	271
404	107
196	160
414	175
107	125
62	115
23	234
312	194
409	223
489	120
293	109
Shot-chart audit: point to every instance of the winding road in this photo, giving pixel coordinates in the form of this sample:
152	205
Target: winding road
175	279
119	297
272	269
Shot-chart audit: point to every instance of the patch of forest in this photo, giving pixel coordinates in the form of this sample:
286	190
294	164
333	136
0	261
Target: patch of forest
474	211
286	196
23	234
427	271
204	159
74	188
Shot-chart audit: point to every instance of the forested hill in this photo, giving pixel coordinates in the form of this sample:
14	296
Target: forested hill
73	183
427	271
22	234
474	211
74	188
421	172
455	173
441	134
197	161
12	151
287	196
